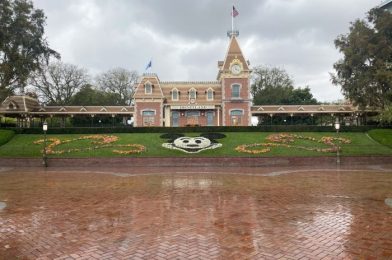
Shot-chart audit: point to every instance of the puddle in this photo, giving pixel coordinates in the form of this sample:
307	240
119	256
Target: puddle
186	183
2	205
388	201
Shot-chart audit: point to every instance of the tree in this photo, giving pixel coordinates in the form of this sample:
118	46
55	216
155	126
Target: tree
120	81
302	96
23	48
58	82
273	86
365	71
266	77
88	96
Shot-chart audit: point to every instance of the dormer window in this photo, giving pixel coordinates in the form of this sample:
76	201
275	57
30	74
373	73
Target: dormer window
192	94
148	88
12	106
175	95
210	94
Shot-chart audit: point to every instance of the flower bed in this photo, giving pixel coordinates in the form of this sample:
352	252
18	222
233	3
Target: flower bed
287	140
98	142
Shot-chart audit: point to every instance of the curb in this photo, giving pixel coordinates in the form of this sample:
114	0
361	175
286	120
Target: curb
197	161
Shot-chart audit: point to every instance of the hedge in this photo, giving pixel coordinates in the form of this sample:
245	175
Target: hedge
273	128
6	136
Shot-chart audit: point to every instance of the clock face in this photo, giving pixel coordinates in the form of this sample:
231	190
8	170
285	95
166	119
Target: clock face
236	69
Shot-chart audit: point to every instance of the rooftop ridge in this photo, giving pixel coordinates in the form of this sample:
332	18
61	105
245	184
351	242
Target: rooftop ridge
189	82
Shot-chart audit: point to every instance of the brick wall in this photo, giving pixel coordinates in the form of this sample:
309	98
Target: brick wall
143	106
243	103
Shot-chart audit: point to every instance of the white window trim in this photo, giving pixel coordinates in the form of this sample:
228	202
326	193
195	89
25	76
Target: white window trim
178	94
148	110
145	88
189	95
231	90
210	90
236	109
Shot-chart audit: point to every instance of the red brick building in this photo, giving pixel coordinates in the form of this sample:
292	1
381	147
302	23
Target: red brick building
225	102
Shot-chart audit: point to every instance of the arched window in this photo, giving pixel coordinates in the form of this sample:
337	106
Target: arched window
236	117
175	95
192	94
235	91
210	95
147	88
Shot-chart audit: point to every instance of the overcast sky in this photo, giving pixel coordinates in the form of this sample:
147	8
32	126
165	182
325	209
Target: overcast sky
186	38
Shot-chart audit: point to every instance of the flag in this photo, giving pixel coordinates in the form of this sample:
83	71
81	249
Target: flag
234	13
149	65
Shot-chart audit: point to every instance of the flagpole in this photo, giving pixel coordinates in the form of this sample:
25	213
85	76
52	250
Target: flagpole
232	18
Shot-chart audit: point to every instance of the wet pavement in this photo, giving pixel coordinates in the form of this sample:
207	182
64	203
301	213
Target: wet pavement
196	213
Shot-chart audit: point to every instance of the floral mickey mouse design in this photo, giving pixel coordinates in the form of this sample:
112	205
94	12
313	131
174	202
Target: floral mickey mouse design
205	141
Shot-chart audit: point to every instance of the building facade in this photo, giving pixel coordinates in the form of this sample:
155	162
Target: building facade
224	102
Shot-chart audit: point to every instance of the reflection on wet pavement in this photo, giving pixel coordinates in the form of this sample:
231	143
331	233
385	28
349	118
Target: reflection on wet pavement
262	215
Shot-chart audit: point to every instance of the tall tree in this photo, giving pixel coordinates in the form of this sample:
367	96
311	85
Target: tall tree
274	86
269	77
88	96
58	82
365	71
23	48
120	81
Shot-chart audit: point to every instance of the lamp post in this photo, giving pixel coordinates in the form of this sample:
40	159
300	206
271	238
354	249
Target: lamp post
337	127
45	158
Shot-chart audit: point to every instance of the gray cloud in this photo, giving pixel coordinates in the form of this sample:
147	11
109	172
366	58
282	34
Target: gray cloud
186	38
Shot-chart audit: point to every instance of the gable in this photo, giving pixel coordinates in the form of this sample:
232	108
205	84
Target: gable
234	52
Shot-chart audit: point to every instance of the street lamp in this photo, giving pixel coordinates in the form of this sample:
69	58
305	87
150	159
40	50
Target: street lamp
337	127
45	158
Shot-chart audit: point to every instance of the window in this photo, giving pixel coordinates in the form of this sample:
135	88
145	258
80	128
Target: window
149	113
192	94
236	117
175	94
210	94
148	118
175	118
235	91
147	88
192	118
192	113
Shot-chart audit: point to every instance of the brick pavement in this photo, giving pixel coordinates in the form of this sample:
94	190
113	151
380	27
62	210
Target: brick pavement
196	213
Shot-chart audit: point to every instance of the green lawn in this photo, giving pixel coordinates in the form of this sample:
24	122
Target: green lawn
6	136
383	136
361	144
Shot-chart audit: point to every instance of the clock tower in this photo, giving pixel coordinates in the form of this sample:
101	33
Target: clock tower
234	77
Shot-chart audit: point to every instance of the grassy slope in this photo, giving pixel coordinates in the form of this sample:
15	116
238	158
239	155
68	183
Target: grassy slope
6	136
22	146
383	136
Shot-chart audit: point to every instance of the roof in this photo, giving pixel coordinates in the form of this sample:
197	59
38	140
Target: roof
386	4
233	54
87	110
303	109
19	104
29	105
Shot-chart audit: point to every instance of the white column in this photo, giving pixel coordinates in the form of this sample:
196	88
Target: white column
167	116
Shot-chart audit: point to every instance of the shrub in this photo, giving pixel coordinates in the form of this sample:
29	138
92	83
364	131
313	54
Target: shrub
209	129
213	136
6	136
171	136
